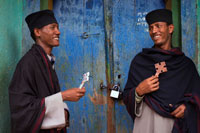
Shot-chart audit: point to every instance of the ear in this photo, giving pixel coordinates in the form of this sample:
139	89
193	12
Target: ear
171	28
36	32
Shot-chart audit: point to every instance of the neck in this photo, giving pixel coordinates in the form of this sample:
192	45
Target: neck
46	48
164	47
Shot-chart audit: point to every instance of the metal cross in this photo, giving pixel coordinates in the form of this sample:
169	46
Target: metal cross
160	67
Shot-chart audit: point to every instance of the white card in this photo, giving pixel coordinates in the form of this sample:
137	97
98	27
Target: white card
114	94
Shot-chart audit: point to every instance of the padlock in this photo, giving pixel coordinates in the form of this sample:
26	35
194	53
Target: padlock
115	91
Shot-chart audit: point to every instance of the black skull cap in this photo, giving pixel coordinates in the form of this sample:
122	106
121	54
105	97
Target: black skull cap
40	19
159	15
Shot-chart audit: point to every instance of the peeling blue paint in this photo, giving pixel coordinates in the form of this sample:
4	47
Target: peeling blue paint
89	4
129	37
189	26
77	55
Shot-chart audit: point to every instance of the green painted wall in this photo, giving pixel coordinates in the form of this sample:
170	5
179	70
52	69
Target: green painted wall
46	4
176	9
15	41
10	53
29	6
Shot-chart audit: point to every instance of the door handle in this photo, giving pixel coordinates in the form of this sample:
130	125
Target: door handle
102	86
85	35
115	87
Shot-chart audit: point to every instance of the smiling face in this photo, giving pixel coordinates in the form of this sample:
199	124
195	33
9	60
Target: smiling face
47	36
160	33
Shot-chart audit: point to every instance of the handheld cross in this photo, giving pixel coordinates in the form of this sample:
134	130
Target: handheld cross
85	79
160	68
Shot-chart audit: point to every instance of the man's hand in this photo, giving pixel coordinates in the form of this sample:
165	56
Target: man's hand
179	111
73	94
148	85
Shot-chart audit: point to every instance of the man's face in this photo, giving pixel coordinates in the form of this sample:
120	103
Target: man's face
49	35
160	33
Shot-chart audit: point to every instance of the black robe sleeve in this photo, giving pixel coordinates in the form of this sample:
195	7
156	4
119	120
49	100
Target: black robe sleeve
129	92
27	108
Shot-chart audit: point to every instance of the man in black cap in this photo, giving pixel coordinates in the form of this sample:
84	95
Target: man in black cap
162	93
36	102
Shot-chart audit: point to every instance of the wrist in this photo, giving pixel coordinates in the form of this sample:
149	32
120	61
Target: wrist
138	98
138	91
64	97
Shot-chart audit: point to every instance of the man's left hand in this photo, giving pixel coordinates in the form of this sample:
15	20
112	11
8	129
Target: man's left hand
179	111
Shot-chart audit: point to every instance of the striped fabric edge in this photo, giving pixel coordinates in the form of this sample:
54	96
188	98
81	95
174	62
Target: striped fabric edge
38	123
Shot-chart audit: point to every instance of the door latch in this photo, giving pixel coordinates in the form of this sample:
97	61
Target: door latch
85	35
115	91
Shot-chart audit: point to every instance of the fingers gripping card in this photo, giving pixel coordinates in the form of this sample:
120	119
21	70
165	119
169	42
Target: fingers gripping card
85	79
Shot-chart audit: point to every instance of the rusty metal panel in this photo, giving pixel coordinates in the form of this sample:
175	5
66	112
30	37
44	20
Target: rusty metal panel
81	50
108	9
129	37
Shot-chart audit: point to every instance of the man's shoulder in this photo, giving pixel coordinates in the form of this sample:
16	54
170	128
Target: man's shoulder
189	61
136	58
29	59
138	55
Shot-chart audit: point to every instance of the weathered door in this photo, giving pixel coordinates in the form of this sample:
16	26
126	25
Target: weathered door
102	37
82	50
129	37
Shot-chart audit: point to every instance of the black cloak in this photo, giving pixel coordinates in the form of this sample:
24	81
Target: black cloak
179	85
33	80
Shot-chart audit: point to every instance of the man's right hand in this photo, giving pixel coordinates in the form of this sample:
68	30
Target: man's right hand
73	94
148	85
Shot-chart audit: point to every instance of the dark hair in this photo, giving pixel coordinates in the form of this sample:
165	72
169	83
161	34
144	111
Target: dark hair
33	36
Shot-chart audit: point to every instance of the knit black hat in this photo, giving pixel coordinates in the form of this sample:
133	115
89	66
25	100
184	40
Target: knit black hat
159	15
40	19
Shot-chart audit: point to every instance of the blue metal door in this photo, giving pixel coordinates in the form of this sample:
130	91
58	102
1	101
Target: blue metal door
102	37
82	50
129	37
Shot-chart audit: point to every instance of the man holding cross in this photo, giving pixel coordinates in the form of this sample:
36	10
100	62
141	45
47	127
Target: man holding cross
162	93
36	100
